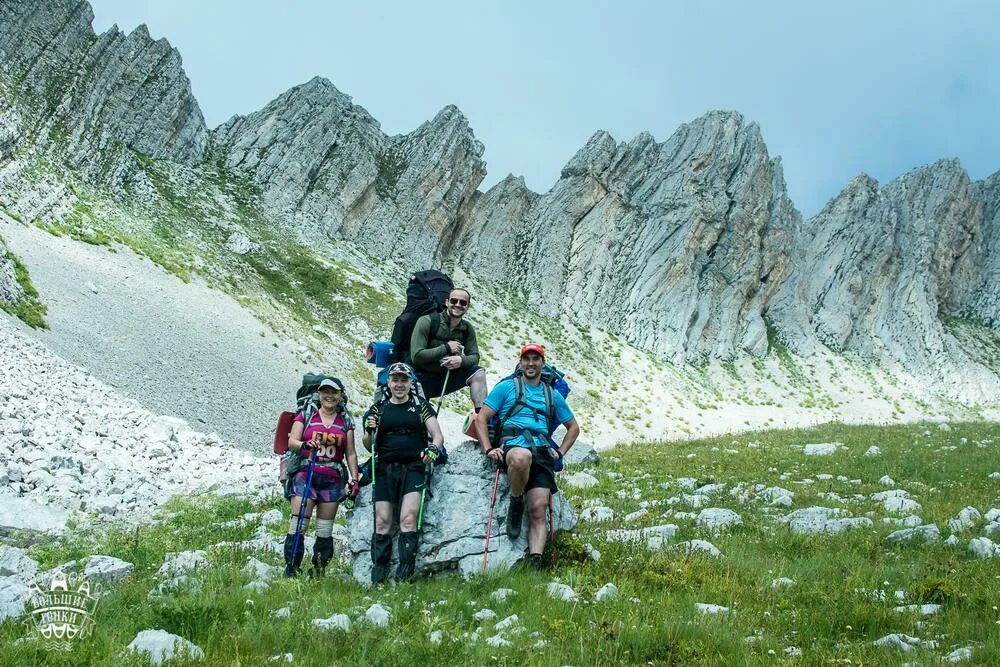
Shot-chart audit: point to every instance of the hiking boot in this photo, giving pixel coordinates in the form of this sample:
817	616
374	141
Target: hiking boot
322	554
534	562
293	568
381	557
407	555
514	515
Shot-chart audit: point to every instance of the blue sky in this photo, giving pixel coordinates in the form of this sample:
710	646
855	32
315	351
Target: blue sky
837	87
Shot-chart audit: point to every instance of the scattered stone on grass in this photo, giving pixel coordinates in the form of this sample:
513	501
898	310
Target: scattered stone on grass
821	448
501	594
335	622
484	615
506	623
711	609
607	592
107	570
597	514
699	546
984	547
161	646
958	655
378	615
904	643
580	480
185	561
717	518
924	610
561	592
928	533
965	519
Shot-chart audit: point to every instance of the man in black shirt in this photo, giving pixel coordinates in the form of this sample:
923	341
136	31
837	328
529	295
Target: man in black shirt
402	425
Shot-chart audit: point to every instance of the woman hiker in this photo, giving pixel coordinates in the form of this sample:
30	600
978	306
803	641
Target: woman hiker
329	436
402	425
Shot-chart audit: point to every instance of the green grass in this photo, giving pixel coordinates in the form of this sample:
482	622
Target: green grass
29	309
827	613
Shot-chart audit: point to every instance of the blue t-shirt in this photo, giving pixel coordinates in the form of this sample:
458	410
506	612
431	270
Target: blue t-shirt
501	401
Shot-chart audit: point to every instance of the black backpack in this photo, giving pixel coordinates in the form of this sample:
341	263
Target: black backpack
426	294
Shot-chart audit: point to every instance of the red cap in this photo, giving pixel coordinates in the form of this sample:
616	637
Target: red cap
533	347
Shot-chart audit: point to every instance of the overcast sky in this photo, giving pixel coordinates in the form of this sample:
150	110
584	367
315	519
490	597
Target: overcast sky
837	87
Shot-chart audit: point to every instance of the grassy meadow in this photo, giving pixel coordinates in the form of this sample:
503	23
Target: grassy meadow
845	591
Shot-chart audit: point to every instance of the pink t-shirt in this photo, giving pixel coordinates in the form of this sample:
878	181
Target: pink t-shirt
331	441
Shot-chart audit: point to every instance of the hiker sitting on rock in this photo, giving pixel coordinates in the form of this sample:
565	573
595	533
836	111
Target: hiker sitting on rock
402	425
445	352
330	436
522	446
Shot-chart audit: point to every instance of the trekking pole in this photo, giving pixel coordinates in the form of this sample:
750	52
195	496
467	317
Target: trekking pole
429	468
489	520
303	501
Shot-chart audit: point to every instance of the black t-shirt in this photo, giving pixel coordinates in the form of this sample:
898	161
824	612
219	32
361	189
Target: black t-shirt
402	435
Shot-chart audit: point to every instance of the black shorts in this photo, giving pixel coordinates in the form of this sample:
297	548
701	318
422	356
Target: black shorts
395	480
542	473
432	382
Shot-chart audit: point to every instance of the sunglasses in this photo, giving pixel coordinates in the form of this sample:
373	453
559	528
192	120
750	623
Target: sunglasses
459	302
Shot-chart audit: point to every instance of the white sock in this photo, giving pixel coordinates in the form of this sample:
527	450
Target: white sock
324	527
293	523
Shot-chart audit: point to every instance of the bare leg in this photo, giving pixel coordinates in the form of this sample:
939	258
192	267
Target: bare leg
538	505
383	517
518	466
408	512
477	388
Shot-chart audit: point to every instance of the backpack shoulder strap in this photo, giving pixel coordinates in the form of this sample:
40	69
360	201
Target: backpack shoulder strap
519	402
550	405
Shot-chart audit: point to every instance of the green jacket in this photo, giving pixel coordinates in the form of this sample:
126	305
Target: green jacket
427	348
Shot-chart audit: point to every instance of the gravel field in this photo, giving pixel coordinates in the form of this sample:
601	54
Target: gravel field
177	348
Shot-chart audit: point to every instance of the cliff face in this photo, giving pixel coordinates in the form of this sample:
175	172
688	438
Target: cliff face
983	302
685	248
90	94
879	268
323	165
676	246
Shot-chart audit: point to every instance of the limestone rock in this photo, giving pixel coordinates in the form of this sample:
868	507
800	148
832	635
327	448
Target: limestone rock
929	533
876	269
324	167
160	646
107	569
607	592
15	562
582	480
14	594
984	547
455	520
561	592
695	231
239	243
184	562
983	303
91	93
11	291
335	622
21	513
718	518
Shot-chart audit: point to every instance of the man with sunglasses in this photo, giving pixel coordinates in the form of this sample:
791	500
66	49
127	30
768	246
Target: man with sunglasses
443	347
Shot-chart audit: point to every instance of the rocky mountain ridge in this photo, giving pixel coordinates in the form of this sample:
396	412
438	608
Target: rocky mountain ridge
689	248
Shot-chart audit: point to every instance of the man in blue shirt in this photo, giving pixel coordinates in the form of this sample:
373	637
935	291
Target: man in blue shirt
523	448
